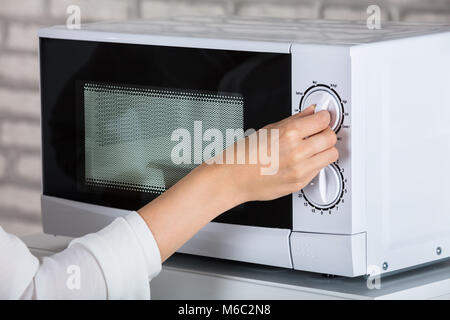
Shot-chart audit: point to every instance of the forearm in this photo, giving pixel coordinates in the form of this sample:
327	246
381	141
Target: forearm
184	209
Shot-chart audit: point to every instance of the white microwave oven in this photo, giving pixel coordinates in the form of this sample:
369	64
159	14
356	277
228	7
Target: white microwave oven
113	92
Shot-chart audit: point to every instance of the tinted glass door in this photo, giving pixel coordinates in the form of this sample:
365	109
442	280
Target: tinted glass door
109	112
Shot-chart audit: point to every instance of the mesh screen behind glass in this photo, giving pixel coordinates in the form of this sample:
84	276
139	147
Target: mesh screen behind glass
128	132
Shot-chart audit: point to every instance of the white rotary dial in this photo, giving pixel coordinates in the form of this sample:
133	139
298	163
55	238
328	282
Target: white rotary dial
324	99
325	190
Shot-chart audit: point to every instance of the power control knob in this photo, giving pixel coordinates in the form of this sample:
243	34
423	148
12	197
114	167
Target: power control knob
325	99
325	190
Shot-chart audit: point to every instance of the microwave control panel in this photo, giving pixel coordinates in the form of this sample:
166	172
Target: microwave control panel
321	76
325	191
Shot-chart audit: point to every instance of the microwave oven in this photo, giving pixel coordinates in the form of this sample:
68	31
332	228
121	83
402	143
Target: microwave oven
113	92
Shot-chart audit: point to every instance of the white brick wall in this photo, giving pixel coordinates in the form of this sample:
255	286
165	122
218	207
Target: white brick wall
432	17
19	102
16	224
22	199
151	9
354	12
22	8
93	10
2	165
29	168
20	169
18	68
307	10
22	36
2	34
20	134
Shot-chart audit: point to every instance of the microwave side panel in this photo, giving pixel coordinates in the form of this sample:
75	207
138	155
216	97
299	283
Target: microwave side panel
400	88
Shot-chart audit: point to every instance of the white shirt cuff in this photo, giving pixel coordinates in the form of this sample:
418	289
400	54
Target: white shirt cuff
128	256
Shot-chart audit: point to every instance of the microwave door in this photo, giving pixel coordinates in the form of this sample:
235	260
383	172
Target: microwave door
109	111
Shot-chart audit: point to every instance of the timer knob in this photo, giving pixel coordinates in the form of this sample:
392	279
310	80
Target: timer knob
324	99
324	190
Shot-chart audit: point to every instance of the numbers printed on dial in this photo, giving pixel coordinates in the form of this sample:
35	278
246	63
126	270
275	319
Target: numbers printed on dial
324	193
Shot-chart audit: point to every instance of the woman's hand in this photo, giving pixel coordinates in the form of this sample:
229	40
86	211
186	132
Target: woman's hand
305	145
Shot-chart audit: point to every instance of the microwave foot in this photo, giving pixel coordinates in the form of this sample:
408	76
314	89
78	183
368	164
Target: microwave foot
328	276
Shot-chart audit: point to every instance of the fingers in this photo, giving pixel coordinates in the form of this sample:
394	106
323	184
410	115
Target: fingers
323	159
315	163
312	124
298	185
318	143
307	112
306	170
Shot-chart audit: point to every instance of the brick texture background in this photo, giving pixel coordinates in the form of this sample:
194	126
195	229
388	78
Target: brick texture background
19	98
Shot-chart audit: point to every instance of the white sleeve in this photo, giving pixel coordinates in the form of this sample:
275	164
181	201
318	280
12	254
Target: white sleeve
115	263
